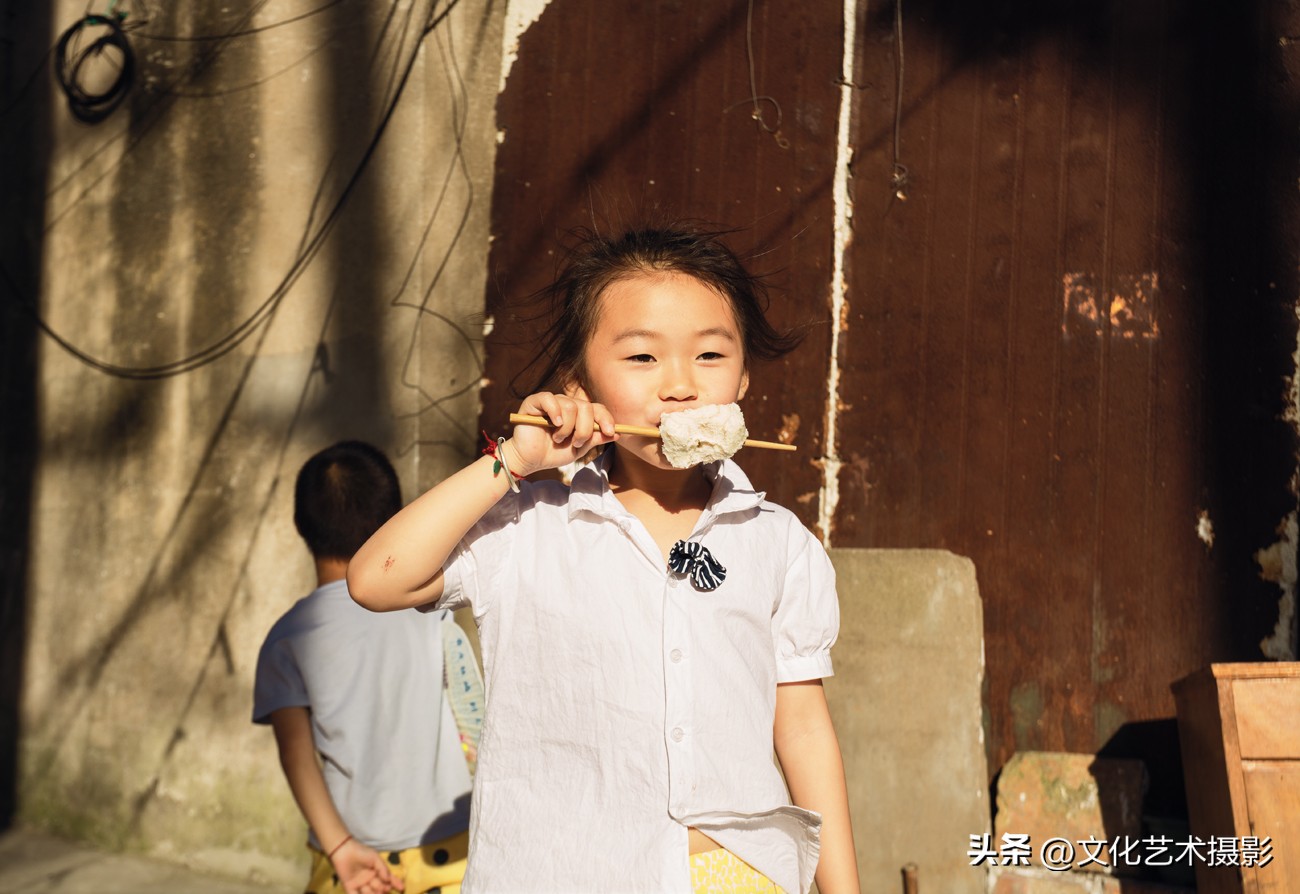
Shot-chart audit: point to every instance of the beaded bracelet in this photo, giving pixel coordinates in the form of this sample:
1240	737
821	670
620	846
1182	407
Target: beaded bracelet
496	450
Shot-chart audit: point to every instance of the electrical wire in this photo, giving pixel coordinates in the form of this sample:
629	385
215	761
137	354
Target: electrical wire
757	113
307	253
70	58
27	85
899	178
143	121
199	38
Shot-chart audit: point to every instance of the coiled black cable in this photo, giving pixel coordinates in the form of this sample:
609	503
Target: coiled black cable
70	59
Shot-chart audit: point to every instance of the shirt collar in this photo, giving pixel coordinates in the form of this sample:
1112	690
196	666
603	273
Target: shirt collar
590	492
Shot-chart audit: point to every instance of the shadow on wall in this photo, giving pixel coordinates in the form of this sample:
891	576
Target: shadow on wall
181	143
23	133
1230	118
1216	208
1164	807
1155	743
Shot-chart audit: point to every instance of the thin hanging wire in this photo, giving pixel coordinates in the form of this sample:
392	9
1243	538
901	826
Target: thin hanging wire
898	179
757	113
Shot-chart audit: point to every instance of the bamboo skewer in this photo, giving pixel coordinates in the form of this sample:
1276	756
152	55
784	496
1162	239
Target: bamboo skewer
643	430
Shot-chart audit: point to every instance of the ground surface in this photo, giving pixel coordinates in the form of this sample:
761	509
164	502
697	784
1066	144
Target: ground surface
37	863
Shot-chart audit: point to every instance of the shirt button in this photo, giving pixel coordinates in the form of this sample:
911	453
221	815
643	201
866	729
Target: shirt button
678	734
675	655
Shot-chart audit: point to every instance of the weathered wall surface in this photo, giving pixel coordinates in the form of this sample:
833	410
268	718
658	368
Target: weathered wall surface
276	242
1068	344
906	700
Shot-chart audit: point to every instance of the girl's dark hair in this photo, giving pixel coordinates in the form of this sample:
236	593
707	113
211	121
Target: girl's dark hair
342	496
599	261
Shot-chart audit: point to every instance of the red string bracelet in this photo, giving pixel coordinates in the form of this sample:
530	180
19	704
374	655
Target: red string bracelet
496	450
337	846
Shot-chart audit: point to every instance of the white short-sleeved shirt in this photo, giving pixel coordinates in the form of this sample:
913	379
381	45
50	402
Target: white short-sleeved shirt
623	704
390	749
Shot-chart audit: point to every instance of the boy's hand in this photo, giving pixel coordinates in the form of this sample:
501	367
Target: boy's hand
363	871
573	433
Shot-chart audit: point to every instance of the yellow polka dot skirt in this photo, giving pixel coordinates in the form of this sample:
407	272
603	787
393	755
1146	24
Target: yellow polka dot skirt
719	871
435	868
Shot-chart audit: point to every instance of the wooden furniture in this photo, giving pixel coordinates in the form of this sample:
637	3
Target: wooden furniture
1239	728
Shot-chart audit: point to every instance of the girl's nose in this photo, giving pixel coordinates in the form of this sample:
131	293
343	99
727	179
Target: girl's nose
677	383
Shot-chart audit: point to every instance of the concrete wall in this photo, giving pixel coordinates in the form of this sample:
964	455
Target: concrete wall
276	242
906	701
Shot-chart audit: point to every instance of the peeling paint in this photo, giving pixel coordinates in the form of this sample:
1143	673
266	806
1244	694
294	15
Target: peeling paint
520	16
1205	528
1292	412
1277	563
1128	314
830	492
789	428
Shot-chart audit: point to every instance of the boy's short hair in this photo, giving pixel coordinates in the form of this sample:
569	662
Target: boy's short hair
343	495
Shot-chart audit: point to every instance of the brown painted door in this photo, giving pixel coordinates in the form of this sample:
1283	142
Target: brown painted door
610	118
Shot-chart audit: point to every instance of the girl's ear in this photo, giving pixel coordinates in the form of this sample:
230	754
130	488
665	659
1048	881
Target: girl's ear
573	388
744	384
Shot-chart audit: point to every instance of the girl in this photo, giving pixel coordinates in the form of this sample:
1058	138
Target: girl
632	710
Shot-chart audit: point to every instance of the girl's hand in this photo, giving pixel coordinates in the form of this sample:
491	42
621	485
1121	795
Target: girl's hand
573	434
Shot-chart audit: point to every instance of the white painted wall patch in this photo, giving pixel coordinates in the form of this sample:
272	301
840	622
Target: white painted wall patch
520	16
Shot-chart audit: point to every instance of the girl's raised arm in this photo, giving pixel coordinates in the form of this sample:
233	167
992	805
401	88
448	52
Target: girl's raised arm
400	566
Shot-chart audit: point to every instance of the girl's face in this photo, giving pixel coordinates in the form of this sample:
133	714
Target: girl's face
662	342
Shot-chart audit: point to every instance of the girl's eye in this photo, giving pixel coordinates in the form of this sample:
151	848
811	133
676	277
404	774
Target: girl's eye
710	355
641	358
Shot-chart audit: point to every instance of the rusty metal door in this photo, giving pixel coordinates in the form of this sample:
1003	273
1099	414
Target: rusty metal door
1068	348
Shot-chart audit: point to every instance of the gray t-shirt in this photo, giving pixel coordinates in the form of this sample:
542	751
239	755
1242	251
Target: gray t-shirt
388	743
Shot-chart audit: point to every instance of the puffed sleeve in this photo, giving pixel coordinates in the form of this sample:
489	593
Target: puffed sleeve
807	617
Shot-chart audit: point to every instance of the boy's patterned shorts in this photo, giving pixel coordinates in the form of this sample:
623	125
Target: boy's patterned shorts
435	868
719	871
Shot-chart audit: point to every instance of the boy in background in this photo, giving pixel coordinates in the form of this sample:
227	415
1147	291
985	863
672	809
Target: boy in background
367	741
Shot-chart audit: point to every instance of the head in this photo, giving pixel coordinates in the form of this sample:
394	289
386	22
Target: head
342	496
599	262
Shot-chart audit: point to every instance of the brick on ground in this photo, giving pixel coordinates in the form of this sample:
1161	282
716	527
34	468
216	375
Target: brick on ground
1078	797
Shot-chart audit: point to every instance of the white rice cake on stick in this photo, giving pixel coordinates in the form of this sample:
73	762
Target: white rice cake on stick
702	435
